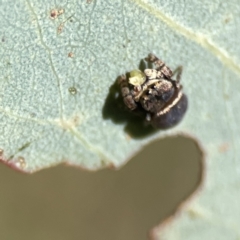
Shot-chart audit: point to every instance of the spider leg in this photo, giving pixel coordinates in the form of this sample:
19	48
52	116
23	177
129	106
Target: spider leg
145	87
148	117
160	65
178	71
127	94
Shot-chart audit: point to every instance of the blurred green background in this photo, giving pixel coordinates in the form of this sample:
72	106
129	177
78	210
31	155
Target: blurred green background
69	203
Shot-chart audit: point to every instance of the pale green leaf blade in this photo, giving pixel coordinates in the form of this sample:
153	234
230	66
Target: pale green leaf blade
56	75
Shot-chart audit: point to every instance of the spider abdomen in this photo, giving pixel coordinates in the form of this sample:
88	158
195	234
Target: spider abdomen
171	117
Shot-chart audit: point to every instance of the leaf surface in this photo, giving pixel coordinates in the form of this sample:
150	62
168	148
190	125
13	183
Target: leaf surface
58	100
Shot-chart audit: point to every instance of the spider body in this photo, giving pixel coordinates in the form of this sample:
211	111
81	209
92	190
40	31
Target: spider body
155	93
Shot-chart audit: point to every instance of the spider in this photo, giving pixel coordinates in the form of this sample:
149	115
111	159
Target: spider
155	93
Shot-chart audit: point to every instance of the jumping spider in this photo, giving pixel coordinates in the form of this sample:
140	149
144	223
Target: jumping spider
155	93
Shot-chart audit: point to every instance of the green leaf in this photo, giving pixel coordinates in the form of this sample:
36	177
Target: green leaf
58	102
58	91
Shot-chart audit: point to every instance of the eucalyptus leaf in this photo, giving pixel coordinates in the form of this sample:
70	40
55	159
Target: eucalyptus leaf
59	100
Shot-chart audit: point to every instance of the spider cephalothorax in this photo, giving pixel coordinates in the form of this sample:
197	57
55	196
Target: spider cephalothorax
156	93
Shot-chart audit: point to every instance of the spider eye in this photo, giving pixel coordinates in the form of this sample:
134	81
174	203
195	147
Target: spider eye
136	77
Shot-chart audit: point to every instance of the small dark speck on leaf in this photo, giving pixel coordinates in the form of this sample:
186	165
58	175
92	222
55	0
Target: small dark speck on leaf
71	54
72	90
54	13
24	146
127	41
227	20
60	28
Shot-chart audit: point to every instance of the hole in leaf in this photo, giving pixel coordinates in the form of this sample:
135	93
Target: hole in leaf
119	205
